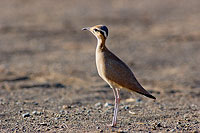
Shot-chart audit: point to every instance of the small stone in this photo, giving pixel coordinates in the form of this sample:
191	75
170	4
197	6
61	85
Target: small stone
57	118
59	85
98	104
126	107
107	105
48	129
62	111
35	103
186	116
159	125
66	107
24	128
56	126
138	100
43	124
133	113
36	113
26	115
179	123
88	111
129	100
97	127
173	130
154	128
165	126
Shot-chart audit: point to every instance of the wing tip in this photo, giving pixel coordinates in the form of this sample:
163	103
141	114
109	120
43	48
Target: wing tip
150	96
147	95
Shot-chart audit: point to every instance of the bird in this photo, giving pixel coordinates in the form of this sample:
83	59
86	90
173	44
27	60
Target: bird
113	70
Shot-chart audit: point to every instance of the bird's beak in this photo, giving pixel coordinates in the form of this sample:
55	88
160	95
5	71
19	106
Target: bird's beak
86	28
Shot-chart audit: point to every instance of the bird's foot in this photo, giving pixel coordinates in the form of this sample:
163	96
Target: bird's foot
111	125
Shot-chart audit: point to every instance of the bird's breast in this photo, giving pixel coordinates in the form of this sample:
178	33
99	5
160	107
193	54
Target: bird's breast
100	64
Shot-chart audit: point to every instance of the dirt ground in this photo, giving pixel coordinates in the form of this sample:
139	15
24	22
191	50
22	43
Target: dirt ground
48	77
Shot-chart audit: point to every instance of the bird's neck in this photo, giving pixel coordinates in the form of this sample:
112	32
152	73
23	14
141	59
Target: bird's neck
101	44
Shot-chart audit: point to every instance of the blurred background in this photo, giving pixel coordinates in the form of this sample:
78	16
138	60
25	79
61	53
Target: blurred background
47	63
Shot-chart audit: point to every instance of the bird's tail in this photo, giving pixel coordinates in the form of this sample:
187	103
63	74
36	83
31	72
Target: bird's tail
146	94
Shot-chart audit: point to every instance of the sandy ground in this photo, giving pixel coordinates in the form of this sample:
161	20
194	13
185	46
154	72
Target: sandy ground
49	82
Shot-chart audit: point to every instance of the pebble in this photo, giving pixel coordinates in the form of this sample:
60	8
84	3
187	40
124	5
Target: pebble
108	105
57	118
186	116
43	124
62	111
173	130
56	126
26	115
126	107
159	125
48	129
133	113
139	100
36	113
88	111
35	103
129	100
62	126
59	85
66	107
154	128
98	104
165	126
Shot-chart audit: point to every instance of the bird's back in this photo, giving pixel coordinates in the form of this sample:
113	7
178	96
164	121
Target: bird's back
116	73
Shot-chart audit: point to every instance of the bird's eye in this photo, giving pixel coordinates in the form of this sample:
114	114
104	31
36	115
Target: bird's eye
96	30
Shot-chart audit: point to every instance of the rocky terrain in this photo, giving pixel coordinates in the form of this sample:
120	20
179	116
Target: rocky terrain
49	81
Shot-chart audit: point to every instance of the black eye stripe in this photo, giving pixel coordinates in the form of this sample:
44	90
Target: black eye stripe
96	30
100	32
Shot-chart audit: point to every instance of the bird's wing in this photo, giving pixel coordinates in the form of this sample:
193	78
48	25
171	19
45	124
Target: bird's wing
119	73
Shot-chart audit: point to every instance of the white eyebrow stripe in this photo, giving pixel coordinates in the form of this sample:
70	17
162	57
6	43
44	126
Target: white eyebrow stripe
103	32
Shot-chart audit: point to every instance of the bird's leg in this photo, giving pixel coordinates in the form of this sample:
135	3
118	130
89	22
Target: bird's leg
117	100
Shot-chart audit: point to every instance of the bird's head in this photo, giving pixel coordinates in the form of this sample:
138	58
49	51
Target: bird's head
100	31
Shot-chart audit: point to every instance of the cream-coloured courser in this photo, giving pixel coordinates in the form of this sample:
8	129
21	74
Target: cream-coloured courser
113	70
